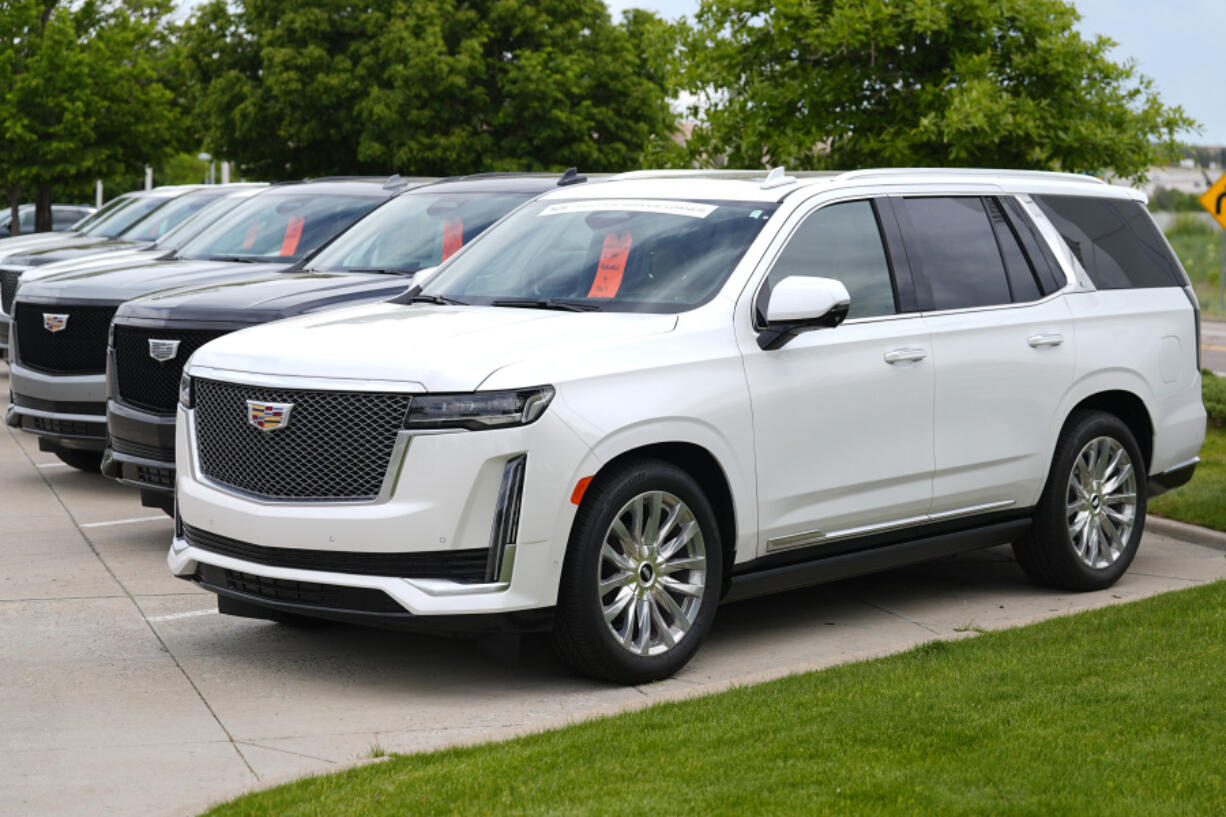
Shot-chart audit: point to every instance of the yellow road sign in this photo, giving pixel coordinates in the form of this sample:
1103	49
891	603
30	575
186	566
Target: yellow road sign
1214	201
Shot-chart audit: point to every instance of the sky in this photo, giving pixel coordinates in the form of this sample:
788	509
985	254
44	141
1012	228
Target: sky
1182	52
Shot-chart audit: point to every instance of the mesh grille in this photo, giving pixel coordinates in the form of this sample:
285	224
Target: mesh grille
79	348
335	445
8	288
457	565
143	381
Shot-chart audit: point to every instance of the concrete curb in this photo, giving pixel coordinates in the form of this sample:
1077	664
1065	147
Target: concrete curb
1188	533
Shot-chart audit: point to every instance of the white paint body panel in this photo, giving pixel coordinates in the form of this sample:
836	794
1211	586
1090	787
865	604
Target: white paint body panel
821	435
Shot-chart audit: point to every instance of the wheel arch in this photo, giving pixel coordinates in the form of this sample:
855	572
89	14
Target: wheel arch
706	469
1130	409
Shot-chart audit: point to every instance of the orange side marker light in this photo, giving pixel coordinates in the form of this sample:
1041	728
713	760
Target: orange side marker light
580	488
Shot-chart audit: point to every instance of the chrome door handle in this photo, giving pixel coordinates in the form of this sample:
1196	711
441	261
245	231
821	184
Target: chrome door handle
906	354
1045	339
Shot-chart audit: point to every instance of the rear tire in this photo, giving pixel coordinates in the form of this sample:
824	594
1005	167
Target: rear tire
90	461
642	578
1089	521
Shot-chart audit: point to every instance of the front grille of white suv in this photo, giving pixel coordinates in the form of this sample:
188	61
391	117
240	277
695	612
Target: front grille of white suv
334	445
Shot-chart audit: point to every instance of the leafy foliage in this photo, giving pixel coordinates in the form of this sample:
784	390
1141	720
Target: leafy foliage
988	83
83	95
434	87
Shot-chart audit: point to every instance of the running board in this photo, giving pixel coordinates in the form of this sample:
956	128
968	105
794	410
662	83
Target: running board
857	563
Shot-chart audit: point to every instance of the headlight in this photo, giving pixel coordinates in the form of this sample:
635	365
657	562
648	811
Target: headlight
478	410
186	397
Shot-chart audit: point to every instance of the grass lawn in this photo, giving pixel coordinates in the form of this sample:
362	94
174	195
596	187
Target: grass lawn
1203	500
1113	712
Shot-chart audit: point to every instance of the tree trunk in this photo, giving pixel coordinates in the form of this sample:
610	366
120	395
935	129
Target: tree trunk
42	209
14	191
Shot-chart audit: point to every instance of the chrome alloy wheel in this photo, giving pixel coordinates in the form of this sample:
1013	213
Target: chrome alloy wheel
1101	502
652	573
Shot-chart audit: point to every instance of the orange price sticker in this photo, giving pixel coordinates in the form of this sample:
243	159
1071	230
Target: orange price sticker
613	255
293	232
453	237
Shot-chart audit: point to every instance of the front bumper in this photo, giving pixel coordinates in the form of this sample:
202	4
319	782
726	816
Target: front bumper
141	451
443	497
69	411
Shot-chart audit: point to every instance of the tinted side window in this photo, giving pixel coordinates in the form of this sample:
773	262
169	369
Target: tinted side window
1022	282
843	242
1114	239
958	254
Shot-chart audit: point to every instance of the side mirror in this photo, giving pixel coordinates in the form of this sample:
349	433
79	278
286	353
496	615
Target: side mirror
798	303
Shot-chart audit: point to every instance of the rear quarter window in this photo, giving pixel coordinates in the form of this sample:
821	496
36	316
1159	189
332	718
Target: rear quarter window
1115	240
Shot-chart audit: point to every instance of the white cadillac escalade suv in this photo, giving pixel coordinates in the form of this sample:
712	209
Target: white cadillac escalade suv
625	403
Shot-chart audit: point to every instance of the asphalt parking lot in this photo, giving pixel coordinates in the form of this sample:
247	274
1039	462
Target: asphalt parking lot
123	692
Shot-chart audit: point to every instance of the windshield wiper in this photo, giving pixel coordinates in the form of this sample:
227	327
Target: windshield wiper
383	270
440	300
242	259
545	303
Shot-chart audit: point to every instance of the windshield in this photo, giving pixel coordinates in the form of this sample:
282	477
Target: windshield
279	225
129	216
99	217
640	255
197	222
168	217
415	231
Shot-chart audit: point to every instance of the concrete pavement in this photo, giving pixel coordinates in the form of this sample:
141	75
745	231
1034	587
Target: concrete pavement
122	692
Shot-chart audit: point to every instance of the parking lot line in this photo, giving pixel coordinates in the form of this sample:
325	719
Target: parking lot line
129	521
173	616
53	465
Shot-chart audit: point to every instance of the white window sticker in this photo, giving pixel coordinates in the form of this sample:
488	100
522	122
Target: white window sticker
669	208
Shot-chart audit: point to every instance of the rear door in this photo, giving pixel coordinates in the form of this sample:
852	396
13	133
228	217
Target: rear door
1002	349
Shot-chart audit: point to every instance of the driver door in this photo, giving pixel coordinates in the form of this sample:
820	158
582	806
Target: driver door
843	417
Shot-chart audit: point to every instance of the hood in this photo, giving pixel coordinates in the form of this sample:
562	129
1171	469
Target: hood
264	297
13	245
133	281
51	255
65	241
442	348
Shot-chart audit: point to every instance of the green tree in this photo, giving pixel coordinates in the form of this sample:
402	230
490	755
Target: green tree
84	96
992	83
427	87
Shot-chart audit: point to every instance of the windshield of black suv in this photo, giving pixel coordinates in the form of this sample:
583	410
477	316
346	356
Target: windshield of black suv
415	230
125	218
173	214
281	225
618	255
197	222
92	224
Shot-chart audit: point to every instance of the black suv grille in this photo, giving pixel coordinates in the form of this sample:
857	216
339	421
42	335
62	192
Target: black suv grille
9	279
143	381
331	596
78	348
334	445
457	565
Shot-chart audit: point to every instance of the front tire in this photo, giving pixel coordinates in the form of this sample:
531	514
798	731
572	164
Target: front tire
1089	521
642	578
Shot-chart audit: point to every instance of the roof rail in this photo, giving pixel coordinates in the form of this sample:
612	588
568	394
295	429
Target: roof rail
969	171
